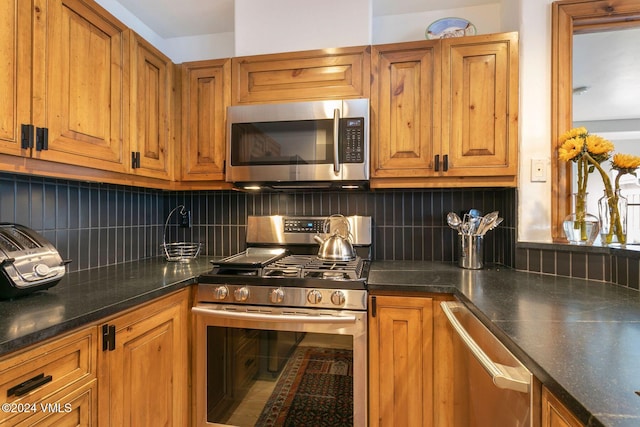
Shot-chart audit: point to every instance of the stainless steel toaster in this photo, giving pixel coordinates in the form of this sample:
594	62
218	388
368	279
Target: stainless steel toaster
28	261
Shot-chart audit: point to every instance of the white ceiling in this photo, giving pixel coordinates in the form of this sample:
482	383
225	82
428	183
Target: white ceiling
171	18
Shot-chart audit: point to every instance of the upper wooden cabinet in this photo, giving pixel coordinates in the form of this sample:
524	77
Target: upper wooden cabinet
152	136
15	75
302	76
80	84
445	109
405	99
206	92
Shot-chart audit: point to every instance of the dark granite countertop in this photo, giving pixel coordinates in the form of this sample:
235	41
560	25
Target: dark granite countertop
87	296
580	338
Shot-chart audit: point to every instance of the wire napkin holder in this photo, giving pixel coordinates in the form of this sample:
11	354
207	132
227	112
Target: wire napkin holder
179	251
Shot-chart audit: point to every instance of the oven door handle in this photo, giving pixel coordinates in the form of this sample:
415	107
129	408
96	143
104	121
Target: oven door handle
275	318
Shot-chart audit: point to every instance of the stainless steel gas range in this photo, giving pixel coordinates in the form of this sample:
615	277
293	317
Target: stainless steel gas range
263	315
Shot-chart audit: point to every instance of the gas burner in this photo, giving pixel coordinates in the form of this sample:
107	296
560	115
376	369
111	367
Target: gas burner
336	270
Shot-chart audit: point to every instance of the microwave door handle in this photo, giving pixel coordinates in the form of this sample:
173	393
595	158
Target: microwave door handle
336	140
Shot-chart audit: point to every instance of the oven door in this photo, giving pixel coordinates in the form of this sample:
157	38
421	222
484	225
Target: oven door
273	366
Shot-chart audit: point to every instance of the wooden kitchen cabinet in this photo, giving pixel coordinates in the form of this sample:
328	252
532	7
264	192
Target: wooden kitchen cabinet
444	112
400	361
206	93
143	368
15	78
555	414
152	136
302	76
58	379
80	85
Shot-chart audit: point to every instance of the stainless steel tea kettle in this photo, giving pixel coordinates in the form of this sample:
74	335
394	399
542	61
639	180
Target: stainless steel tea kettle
336	247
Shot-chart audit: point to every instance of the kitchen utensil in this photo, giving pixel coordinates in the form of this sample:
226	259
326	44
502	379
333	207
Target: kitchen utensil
336	247
487	221
454	220
475	213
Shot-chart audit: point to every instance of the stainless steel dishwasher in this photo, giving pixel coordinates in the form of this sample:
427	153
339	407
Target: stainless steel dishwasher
491	386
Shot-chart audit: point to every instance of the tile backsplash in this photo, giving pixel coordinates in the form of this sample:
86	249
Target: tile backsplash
97	224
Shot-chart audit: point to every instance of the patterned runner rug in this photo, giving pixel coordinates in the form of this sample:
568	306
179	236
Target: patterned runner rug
314	390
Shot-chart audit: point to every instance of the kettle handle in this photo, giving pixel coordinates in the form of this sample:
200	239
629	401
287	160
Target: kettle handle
327	225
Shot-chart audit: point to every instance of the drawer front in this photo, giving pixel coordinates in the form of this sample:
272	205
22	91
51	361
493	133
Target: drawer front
37	373
78	408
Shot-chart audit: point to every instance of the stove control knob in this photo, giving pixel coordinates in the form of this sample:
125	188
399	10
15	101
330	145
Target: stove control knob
220	292
276	296
241	294
338	298
314	296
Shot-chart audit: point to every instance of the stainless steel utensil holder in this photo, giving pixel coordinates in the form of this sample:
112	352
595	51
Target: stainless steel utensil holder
471	251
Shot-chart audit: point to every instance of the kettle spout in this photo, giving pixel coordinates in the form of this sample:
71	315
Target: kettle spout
318	239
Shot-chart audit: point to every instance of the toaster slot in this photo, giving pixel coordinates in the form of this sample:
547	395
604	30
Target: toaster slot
21	238
8	245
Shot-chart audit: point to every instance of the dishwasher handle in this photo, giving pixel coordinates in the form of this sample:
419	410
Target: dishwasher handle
504	377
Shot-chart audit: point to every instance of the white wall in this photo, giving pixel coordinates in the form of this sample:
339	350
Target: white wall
272	26
534	198
531	17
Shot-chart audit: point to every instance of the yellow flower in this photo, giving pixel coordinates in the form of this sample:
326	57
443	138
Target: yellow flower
598	145
625	163
572	133
571	149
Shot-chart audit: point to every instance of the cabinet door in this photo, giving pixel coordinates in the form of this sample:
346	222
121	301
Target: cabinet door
151	86
480	103
47	372
405	119
15	78
79	83
302	76
555	414
206	92
143	380
401	361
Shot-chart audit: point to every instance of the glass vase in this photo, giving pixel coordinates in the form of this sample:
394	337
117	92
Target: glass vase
613	219
580	227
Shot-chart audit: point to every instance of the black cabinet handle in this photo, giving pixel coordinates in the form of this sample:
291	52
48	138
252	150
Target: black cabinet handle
374	308
445	162
135	159
108	337
30	384
26	137
436	163
42	139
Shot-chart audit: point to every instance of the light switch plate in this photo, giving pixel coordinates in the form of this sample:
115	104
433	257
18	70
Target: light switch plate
538	170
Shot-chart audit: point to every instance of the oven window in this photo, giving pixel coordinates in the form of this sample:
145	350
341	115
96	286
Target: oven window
282	143
276	378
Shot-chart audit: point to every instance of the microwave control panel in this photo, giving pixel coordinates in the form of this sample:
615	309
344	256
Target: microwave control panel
352	140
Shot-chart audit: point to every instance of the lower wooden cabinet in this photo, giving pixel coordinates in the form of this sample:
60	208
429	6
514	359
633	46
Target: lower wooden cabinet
555	414
143	370
400	361
51	382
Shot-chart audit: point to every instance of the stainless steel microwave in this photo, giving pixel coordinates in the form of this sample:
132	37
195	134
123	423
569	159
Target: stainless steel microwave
316	144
